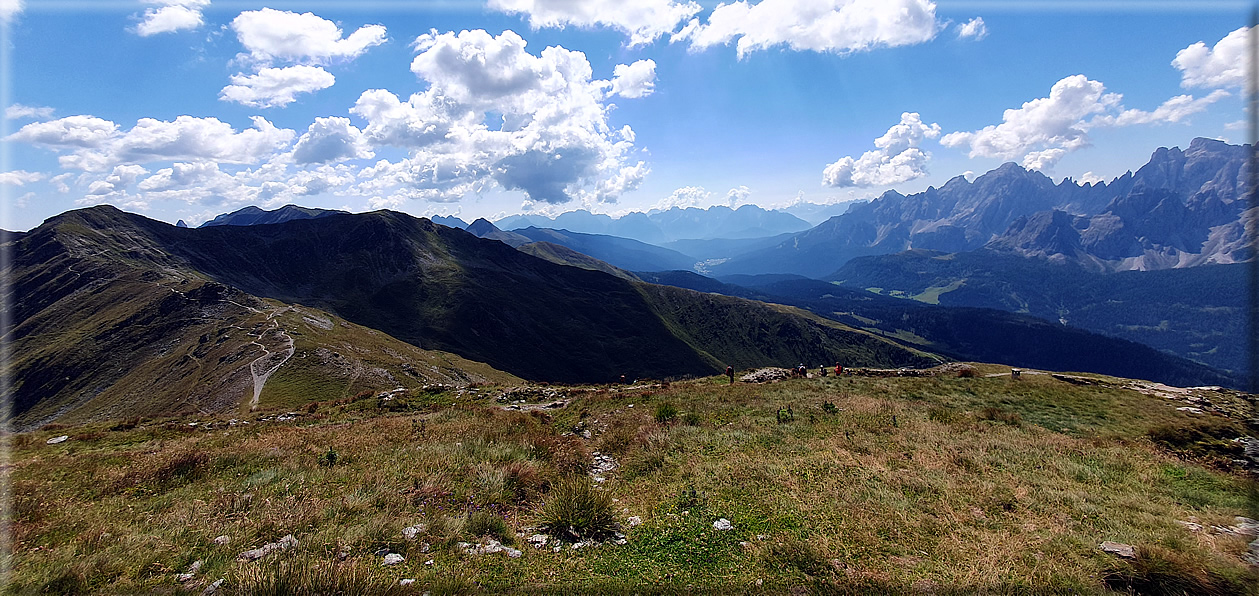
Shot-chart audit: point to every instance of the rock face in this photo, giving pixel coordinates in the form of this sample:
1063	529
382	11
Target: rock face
1183	208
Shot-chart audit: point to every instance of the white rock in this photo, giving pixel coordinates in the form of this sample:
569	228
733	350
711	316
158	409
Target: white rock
1119	549
428	562
723	524
221	540
284	543
405	582
634	521
412	532
55	440
191	573
392	559
212	588
538	540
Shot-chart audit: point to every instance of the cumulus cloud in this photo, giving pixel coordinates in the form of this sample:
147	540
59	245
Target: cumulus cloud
272	35
643	20
1045	129
550	137
897	157
687	196
331	139
117	181
171	16
738	195
634	80
837	26
71	131
58	182
20	177
18	111
276	87
973	29
1223	66
97	145
10	9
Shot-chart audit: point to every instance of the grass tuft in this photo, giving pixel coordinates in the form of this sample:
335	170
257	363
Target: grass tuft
576	509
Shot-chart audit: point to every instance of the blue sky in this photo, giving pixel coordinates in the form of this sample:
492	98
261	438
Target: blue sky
183	109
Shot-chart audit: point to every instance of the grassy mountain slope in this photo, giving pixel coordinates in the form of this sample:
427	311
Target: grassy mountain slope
118	316
102	331
946	485
562	255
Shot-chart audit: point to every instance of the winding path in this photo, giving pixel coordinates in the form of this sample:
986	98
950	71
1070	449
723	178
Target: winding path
256	368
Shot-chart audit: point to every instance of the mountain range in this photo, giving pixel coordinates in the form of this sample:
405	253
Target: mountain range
677	223
114	314
1183	208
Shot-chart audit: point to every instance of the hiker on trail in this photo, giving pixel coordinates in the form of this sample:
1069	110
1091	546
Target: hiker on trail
802	371
822	369
839	370
730	373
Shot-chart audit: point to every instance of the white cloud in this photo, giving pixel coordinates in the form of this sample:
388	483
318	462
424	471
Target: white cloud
331	139
738	195
18	111
271	35
10	9
643	20
634	80
97	145
1221	67
1054	122
1090	178
71	131
58	182
973	29
117	181
838	26
171	16
550	135
1173	110
687	196
1045	129
276	87
20	177
896	159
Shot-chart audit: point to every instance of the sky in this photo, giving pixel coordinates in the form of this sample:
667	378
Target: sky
185	109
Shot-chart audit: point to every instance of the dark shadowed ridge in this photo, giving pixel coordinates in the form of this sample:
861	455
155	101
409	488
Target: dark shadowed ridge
441	288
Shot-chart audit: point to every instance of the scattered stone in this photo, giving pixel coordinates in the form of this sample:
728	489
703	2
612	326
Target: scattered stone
382	552
1189	410
55	440
411	533
490	547
1245	526
1119	549
1252	553
634	521
602	464
212	588
407	582
1191	526
766	375
428	562
538	540
221	540
723	524
191	573
283	544
392	559
761	537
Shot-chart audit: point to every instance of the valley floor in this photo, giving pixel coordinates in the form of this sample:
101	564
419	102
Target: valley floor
954	483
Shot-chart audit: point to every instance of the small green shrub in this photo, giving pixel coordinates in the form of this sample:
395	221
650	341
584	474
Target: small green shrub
488	523
829	408
329	458
666	412
576	509
691	419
